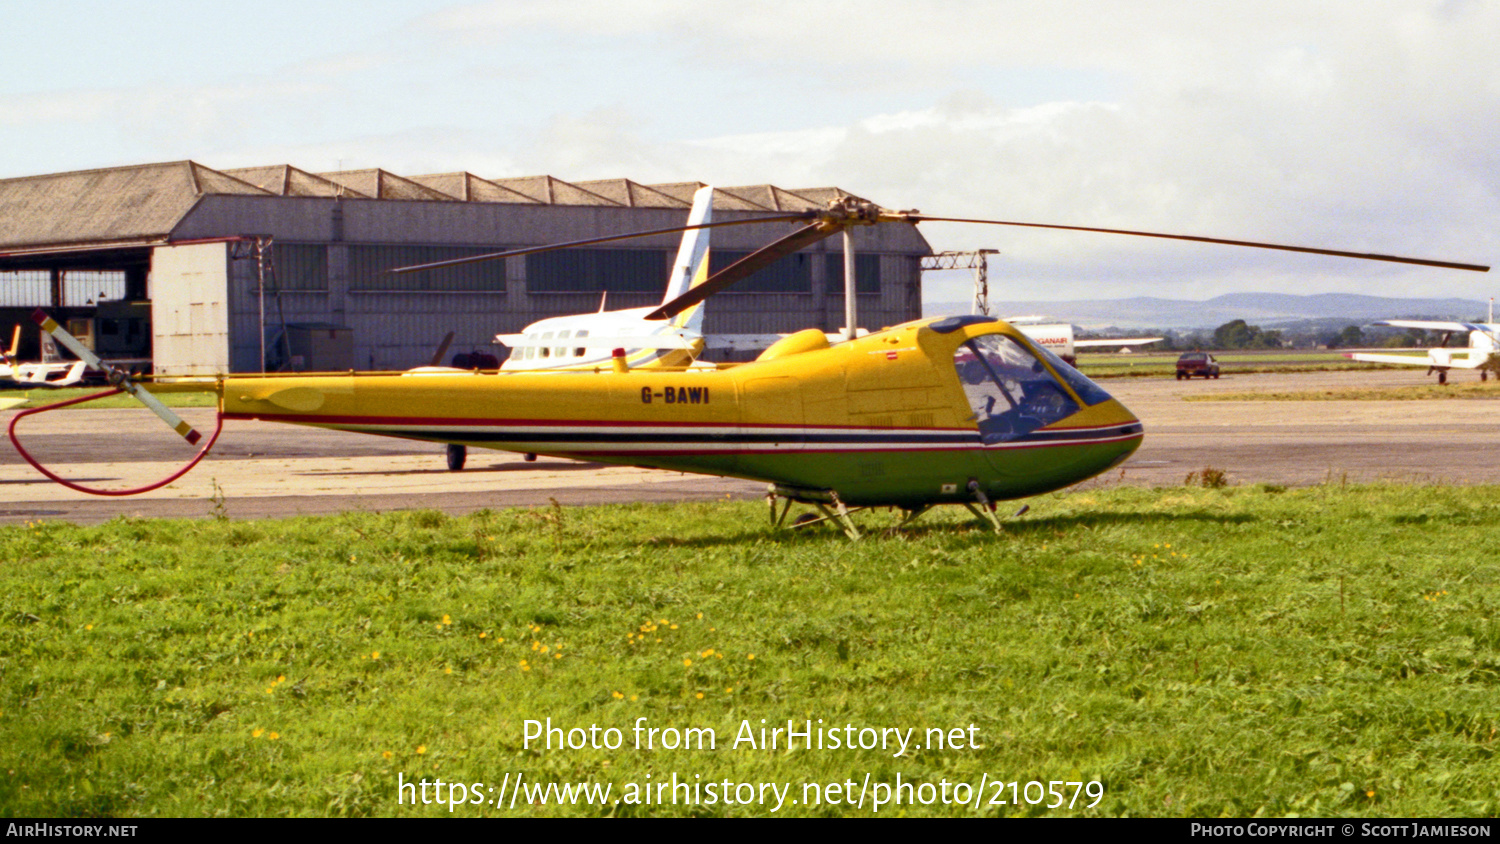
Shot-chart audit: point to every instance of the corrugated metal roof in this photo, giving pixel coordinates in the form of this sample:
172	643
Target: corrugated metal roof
553	191
823	196
286	180
145	203
117	204
774	198
383	184
632	194
723	201
470	188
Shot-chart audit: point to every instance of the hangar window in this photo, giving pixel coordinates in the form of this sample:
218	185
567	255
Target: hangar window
866	273
594	270
25	289
368	265
792	274
33	288
298	266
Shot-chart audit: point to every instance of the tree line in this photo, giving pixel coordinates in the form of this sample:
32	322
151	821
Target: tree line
1239	334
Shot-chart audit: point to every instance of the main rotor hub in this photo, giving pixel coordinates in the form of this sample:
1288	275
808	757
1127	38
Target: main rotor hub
850	211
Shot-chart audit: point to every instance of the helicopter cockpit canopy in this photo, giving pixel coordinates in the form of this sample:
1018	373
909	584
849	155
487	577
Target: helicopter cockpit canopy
1011	392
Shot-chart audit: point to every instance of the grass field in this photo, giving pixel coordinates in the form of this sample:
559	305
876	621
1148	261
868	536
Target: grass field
37	398
1175	652
1415	392
1153	365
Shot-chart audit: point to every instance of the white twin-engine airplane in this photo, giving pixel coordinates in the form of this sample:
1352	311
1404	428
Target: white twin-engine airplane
1482	352
587	341
53	371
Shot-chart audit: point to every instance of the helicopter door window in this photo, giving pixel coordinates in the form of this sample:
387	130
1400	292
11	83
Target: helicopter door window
580	351
546	349
561	351
1011	393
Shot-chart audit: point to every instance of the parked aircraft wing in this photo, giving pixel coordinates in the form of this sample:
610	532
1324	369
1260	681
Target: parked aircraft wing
1459	361
670	340
1118	341
1435	326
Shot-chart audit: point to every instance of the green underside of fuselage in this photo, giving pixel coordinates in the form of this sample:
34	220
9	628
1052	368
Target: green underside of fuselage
900	478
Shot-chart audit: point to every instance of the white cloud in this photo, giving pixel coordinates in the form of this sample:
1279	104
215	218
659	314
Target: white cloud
1368	126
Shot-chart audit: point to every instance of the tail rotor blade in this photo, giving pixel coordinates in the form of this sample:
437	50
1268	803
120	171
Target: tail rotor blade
117	377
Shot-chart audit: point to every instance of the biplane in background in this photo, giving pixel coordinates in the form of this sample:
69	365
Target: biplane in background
961	410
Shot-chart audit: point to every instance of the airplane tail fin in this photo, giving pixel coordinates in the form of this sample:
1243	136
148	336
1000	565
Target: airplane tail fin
50	354
691	267
15	345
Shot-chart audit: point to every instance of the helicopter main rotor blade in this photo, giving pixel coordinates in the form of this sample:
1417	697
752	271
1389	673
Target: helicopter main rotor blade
914	217
532	250
745	267
117	378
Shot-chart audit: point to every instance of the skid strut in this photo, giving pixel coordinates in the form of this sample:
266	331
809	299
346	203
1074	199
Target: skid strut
819	498
986	509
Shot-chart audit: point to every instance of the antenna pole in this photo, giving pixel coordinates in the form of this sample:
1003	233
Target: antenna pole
973	259
260	291
851	308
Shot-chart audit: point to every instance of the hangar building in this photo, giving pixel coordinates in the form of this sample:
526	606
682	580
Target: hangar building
202	270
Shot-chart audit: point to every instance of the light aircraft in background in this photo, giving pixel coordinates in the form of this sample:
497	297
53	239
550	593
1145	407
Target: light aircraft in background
53	371
961	410
1481	353
648	343
588	341
1057	337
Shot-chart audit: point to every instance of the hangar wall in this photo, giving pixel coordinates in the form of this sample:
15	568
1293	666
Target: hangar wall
328	255
189	288
194	230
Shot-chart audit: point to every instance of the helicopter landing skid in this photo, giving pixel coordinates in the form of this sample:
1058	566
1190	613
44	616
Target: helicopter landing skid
819	498
986	508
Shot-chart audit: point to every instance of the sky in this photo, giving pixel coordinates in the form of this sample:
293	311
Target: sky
1362	125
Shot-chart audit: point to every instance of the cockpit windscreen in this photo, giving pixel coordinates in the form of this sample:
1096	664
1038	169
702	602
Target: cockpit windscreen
1011	393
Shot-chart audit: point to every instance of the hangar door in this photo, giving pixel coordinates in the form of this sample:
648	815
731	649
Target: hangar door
189	309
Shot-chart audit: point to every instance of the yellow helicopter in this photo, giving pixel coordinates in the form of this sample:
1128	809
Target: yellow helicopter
959	410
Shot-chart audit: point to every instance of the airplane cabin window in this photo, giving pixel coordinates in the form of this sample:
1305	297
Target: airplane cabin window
1011	393
581	351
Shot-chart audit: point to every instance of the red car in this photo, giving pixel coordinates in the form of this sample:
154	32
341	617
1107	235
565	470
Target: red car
1197	363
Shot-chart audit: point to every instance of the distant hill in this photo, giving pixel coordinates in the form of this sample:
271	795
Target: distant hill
1267	310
